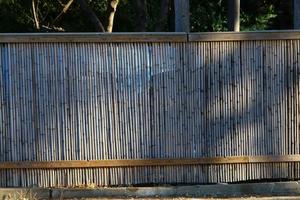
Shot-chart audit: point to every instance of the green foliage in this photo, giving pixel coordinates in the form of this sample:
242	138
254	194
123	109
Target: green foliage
208	15
255	15
260	22
16	15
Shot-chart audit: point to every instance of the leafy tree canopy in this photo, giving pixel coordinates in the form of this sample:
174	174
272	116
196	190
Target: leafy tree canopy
19	16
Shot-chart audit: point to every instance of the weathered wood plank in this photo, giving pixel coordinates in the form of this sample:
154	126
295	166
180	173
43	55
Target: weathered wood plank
147	37
91	37
242	36
149	162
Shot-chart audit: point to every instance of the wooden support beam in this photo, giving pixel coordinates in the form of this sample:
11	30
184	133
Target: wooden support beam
182	15
149	162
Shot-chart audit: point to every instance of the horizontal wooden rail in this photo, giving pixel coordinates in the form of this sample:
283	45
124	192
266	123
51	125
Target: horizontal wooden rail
149	162
244	36
91	37
148	37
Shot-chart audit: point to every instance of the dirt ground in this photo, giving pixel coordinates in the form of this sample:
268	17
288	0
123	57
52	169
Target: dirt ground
183	198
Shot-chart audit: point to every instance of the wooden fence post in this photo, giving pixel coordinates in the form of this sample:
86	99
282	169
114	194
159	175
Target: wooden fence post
182	15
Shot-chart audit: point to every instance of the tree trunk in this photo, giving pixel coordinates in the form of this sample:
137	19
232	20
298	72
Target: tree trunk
163	17
182	15
234	15
296	14
35	14
141	15
91	15
113	9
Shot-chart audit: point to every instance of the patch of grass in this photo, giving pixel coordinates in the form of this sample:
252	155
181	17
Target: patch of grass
23	195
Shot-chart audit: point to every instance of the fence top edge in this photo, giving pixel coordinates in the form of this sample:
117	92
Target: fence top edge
92	37
148	37
244	36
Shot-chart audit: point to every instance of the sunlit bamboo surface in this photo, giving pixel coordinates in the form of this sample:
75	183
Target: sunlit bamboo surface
141	100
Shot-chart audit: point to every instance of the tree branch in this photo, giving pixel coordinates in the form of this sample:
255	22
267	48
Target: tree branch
91	15
53	28
60	2
113	9
35	15
65	9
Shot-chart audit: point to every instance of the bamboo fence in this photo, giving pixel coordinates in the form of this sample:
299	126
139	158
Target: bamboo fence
124	109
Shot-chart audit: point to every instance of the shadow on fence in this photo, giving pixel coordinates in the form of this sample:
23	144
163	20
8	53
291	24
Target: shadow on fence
89	101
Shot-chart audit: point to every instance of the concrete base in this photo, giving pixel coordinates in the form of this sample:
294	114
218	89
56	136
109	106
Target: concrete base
271	189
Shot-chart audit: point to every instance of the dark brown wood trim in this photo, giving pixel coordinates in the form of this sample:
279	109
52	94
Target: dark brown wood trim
92	37
149	162
244	36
